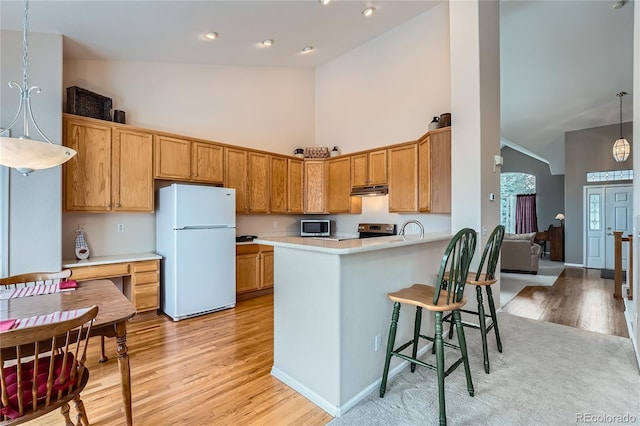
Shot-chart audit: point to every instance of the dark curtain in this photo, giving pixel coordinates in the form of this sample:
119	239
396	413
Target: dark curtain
526	218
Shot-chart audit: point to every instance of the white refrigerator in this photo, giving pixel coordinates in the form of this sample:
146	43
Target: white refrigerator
195	235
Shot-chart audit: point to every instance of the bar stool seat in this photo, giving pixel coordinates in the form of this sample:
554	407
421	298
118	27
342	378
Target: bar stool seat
446	295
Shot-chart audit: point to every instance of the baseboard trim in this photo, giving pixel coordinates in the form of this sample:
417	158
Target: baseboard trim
327	406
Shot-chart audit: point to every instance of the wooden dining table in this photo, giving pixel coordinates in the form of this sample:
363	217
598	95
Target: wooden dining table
114	312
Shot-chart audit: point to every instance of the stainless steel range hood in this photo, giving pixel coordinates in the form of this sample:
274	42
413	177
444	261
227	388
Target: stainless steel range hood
369	191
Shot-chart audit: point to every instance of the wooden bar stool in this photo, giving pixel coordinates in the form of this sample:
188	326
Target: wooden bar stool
446	295
485	279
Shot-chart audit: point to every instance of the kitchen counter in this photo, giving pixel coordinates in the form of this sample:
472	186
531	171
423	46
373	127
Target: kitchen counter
106	260
331	310
352	245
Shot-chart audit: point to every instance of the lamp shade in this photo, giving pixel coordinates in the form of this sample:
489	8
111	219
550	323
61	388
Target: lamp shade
27	155
621	150
560	216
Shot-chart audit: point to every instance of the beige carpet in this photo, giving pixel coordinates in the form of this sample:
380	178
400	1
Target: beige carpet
512	283
548	374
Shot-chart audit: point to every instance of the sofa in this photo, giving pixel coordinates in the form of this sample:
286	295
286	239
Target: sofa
519	253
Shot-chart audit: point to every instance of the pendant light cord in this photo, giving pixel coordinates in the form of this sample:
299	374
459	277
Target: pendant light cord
25	46
620	95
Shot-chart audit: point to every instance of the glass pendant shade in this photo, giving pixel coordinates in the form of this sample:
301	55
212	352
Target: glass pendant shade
621	150
27	155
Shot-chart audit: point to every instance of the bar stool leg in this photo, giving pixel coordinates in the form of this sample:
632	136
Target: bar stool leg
463	348
416	336
392	340
494	317
439	344
483	328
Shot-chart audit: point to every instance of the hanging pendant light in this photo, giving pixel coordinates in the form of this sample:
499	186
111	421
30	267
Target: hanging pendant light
621	148
22	153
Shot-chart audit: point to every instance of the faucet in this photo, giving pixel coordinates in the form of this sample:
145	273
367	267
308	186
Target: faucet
404	225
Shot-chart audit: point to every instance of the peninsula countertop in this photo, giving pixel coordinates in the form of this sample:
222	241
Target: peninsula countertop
352	245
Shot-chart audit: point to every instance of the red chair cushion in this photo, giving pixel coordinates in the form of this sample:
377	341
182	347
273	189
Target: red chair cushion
11	377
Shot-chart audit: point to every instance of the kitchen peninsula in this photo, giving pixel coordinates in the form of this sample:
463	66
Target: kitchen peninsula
331	311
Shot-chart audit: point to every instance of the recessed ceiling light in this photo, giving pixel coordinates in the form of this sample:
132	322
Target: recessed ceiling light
268	42
369	11
307	49
325	2
210	36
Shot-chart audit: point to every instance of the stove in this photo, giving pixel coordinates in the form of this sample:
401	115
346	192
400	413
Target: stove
372	230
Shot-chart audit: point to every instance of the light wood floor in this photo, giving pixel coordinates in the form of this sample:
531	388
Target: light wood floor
215	369
579	298
208	370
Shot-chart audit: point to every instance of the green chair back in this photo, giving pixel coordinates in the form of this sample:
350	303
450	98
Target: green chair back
455	265
491	253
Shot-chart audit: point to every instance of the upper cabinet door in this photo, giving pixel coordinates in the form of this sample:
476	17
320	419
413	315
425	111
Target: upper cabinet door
279	185
87	175
377	167
235	175
132	171
440	171
173	158
295	187
403	178
259	186
314	186
359	175
207	162
339	187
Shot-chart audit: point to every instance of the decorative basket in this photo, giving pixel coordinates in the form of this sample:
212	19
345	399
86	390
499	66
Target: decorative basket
88	104
316	152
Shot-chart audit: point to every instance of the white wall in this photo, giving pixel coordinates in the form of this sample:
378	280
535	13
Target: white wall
34	201
384	92
387	90
636	168
263	108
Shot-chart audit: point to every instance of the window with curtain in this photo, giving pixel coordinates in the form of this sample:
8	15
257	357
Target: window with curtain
512	185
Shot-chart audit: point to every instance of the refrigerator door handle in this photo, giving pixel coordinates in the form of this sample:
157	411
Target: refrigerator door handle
186	228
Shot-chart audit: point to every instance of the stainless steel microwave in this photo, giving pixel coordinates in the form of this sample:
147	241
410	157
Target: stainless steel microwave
316	227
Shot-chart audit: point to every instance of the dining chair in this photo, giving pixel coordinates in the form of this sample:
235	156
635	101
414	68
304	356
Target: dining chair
485	277
447	294
34	278
43	366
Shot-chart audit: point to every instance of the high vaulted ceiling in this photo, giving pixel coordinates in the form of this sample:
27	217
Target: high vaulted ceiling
562	62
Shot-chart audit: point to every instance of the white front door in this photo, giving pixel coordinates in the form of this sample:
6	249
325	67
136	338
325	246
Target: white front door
608	208
618	217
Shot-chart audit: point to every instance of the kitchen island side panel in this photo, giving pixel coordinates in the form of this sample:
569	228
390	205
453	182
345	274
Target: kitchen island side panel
306	322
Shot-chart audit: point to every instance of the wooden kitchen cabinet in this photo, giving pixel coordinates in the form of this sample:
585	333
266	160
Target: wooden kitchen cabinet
258	182
207	162
140	280
279	185
369	168
434	172
172	158
314	186
338	187
235	175
403	178
186	160
254	269
295	186
132	171
113	170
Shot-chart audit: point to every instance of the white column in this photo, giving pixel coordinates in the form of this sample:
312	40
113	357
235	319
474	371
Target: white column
475	108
